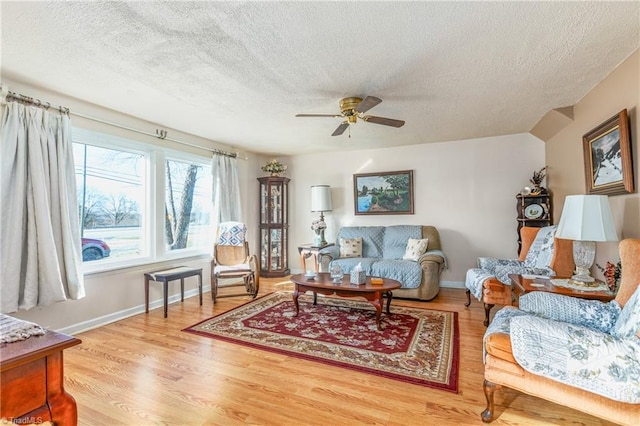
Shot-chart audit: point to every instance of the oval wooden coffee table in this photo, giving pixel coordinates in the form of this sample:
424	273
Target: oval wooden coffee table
323	284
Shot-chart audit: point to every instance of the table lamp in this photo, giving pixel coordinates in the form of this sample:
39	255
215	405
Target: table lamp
586	219
321	202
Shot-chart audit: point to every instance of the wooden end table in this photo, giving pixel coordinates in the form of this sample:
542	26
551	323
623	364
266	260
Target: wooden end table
523	286
32	377
309	250
323	284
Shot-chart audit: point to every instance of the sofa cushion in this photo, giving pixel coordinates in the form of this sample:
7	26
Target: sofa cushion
348	263
351	247
628	323
409	274
415	249
395	239
372	238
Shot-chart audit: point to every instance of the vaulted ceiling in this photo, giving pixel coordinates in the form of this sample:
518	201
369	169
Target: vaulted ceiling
238	72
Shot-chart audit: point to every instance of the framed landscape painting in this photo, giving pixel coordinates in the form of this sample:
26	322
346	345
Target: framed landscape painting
607	157
383	193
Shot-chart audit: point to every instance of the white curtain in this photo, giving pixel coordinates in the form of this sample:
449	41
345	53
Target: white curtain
226	188
40	242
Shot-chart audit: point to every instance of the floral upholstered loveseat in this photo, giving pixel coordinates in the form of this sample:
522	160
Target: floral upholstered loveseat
584	354
399	252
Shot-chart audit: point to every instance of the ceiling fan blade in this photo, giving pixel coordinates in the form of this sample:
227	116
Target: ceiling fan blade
367	103
319	115
384	121
341	128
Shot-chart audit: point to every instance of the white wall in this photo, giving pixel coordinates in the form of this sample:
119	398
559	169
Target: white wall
464	188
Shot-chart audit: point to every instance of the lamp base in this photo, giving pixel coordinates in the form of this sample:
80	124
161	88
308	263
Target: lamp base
323	242
319	240
583	278
584	252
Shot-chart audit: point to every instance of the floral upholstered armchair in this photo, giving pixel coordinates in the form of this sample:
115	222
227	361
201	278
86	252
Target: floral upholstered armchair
541	254
584	354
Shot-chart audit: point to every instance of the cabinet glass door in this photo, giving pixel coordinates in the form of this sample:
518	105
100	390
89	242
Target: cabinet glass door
272	256
276	203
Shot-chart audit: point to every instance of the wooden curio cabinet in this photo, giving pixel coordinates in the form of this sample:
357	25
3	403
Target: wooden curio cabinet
274	226
534	211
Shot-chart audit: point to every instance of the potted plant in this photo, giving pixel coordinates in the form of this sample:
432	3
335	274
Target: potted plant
536	180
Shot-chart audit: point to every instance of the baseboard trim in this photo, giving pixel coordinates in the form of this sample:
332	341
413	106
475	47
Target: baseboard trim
126	313
451	284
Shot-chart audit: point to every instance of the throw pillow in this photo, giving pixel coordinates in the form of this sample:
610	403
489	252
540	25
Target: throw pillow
415	249
628	322
351	247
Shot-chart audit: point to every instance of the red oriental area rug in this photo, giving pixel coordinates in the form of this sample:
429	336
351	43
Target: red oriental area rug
419	346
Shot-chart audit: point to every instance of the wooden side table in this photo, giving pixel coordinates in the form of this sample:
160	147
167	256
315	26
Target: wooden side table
180	272
523	286
309	250
32	377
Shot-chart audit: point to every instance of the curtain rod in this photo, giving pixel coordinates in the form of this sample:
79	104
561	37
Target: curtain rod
29	100
160	133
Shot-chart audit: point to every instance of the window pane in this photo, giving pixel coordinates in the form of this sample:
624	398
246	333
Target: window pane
187	205
111	200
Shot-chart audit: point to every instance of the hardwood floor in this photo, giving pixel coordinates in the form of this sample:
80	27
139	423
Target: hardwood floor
145	371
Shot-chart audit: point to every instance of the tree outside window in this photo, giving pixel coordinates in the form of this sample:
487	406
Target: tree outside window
187	205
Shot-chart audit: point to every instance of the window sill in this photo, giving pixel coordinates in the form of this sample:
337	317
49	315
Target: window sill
145	263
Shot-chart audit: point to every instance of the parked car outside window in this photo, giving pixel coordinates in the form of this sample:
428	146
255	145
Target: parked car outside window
93	249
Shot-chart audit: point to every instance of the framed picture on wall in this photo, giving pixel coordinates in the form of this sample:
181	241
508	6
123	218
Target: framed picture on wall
607	157
383	193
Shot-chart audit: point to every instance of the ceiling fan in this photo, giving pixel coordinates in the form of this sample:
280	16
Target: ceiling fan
354	108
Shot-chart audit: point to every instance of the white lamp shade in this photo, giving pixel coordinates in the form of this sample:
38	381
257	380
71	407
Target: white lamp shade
321	198
587	218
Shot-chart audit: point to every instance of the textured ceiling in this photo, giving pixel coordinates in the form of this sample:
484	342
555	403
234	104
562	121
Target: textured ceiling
238	72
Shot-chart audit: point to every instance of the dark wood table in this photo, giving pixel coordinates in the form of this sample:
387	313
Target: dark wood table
164	276
323	284
526	285
32	377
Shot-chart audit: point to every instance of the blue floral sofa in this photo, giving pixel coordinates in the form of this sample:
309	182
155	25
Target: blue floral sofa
382	252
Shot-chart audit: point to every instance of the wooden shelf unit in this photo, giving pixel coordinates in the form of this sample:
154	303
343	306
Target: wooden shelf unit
543	199
274	226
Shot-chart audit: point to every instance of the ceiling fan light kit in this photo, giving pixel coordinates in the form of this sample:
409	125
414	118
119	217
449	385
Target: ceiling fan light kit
353	108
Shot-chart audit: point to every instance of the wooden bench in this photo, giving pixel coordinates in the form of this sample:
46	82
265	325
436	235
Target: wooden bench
164	276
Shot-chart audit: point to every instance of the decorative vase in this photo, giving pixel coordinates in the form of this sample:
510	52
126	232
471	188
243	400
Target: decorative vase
317	241
274	174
